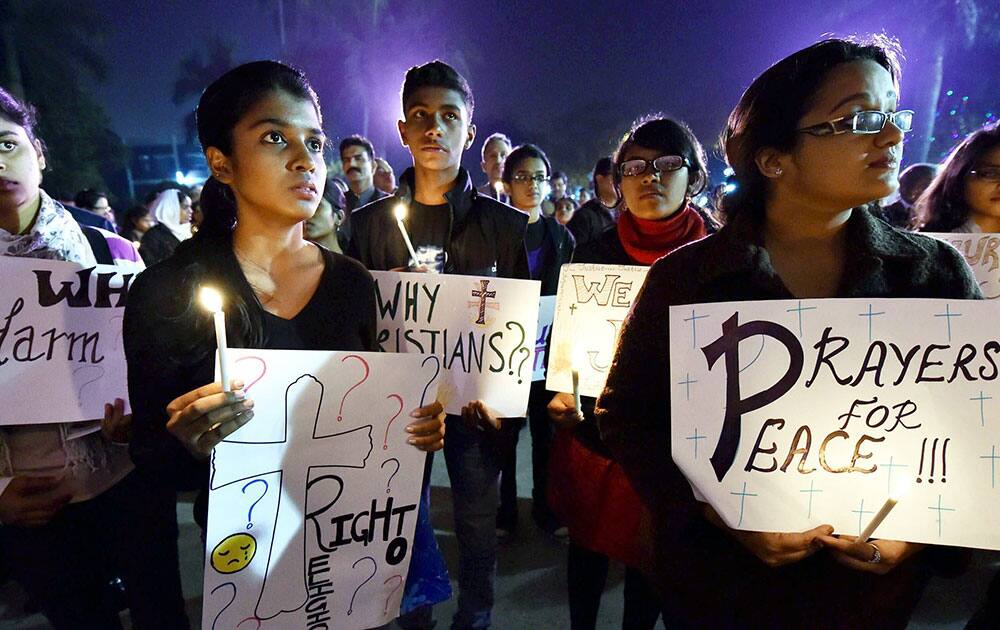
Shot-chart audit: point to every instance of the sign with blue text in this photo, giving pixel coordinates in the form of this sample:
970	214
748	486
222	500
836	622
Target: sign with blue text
790	414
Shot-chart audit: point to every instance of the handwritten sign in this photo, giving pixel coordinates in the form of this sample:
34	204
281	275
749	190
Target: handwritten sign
482	329
60	332
980	251
789	414
546	312
313	503
591	304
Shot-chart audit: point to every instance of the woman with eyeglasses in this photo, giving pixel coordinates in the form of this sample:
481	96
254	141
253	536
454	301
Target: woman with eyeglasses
657	169
549	246
965	195
813	141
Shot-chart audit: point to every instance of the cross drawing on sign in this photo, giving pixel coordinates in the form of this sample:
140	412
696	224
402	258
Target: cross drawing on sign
483	295
303	404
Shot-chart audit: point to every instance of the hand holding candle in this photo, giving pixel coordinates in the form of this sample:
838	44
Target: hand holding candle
899	489
400	212
211	300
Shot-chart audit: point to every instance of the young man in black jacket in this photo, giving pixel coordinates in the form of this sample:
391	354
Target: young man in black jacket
454	229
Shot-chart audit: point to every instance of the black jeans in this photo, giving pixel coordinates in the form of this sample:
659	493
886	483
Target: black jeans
130	531
587	572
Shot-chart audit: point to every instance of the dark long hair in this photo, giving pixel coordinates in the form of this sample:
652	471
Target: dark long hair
942	207
769	112
212	259
658	132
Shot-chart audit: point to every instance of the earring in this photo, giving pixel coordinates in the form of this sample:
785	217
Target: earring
777	172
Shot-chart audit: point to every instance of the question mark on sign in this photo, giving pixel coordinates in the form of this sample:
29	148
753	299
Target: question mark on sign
340	414
97	377
527	355
250	382
437	371
387	483
398	586
385	440
510	360
350	609
254	504
228	604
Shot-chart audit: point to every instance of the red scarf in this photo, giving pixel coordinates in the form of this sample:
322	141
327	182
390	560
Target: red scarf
646	241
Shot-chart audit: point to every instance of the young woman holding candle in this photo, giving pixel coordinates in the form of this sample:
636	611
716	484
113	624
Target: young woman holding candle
657	169
261	129
813	140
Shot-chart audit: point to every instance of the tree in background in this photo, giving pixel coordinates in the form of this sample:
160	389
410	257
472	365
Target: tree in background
197	73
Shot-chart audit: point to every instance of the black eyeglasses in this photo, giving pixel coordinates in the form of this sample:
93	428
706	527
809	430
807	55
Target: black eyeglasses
662	164
987	174
524	178
866	122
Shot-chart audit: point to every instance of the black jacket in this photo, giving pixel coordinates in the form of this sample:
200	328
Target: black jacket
563	246
486	237
157	244
344	229
710	579
589	221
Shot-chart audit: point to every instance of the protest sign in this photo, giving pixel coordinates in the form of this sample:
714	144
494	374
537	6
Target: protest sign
789	414
980	251
61	339
591	304
313	503
546	311
482	329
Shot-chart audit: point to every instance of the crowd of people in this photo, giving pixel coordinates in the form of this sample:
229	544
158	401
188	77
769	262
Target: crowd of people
814	144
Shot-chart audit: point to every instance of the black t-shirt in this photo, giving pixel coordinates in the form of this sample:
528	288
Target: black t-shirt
538	248
428	228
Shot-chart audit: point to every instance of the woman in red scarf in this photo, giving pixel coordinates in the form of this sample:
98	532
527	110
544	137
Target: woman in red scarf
658	168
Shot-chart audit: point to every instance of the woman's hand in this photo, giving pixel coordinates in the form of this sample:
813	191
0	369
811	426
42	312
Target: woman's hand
33	501
563	412
203	417
859	555
477	415
775	548
427	429
117	425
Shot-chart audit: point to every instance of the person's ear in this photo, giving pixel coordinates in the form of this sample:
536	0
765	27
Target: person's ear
219	164
470	137
41	155
401	127
697	184
771	163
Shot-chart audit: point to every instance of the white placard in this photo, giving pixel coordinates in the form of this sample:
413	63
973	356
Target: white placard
313	503
591	304
546	311
61	352
482	329
980	251
832	403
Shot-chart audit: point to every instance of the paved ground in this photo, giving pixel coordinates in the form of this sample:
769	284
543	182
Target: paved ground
531	585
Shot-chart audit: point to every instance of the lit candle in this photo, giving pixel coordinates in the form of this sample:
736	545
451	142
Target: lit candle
900	488
211	300
499	188
576	380
400	212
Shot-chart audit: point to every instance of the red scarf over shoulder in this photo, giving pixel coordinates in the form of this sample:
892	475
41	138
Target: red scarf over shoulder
646	241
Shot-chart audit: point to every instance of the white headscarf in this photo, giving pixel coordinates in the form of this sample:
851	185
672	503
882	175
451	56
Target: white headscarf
54	235
167	210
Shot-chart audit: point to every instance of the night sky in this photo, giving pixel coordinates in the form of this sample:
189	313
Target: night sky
541	71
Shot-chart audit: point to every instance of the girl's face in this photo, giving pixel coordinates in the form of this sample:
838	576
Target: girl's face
276	169
21	164
185	208
650	195
530	184
982	187
845	170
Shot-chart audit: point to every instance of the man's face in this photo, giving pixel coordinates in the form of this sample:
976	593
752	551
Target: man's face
437	128
494	155
358	166
558	187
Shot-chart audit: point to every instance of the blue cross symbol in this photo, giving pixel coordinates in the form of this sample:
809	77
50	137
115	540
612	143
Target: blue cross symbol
870	315
982	398
947	314
799	310
993	457
939	511
889	468
687	382
743	497
861	511
695	439
812	491
694	327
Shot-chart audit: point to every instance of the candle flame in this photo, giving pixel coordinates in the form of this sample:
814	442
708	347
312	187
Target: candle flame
210	299
579	359
400	211
499	188
900	486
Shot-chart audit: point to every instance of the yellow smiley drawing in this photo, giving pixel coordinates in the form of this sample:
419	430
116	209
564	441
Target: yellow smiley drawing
234	553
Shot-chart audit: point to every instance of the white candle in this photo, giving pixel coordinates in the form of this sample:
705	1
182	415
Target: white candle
499	188
400	212
901	486
576	390
212	301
